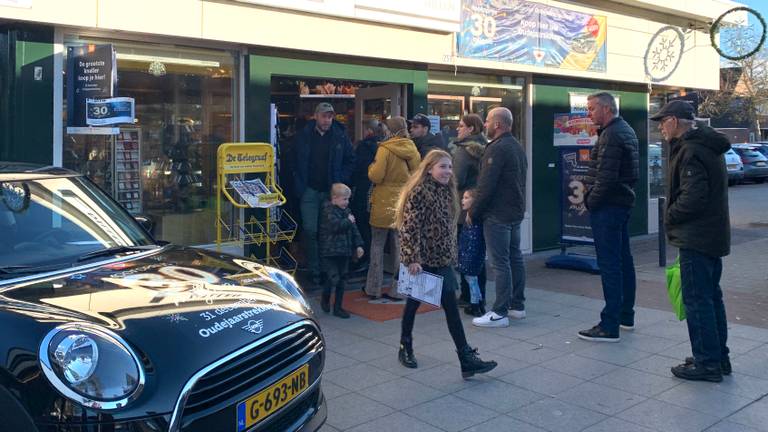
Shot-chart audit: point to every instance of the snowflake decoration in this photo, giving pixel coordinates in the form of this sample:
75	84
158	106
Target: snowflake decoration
176	318
663	54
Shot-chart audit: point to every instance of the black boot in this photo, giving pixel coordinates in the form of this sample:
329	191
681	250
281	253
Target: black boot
405	354
472	364
325	302
475	310
338	301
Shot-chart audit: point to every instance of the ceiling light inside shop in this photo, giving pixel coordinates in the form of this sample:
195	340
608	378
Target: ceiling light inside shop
168	60
475	84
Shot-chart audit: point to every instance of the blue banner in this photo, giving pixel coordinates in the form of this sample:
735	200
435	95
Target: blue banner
574	164
100	112
529	33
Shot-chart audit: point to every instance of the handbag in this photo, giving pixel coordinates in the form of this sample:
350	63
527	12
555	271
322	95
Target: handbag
675	289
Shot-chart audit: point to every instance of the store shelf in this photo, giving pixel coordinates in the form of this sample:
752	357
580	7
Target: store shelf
256	231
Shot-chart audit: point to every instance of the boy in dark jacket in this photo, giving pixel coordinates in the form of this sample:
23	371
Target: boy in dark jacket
339	240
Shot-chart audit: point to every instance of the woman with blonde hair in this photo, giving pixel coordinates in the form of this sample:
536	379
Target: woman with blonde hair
427	211
396	158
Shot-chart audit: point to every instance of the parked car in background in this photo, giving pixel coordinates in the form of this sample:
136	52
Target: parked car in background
762	147
735	167
105	328
755	163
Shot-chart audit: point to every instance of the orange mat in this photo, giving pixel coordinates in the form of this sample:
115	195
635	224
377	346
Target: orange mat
356	302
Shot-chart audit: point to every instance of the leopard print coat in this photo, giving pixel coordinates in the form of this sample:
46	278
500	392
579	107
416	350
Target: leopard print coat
428	233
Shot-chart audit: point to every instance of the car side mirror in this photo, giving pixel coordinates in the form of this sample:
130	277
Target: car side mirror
145	221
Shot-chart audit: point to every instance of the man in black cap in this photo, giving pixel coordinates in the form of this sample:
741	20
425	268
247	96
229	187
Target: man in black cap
697	222
421	135
610	181
324	156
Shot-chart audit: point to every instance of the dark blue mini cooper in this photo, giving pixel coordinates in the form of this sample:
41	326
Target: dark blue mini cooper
105	329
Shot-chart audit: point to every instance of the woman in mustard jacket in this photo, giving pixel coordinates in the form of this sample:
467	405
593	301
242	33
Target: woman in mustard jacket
396	158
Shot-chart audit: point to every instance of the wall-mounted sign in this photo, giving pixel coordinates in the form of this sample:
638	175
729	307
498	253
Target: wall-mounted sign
91	74
573	129
441	15
100	112
531	33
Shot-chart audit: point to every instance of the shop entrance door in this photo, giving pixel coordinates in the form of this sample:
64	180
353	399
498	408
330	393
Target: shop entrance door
378	103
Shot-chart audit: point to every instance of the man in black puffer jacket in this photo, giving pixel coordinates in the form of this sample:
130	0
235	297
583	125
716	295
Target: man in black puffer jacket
697	221
610	181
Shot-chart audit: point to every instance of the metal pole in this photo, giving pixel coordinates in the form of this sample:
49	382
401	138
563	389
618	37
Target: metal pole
662	234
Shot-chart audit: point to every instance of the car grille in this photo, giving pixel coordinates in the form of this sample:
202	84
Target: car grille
251	368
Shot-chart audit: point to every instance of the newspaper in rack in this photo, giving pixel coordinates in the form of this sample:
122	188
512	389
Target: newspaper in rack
254	192
424	287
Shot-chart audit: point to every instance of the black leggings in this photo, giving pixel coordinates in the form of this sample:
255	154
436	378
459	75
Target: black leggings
447	300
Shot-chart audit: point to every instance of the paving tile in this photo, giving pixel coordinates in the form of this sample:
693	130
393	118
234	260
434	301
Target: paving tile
668	329
647	343
753	363
742	385
555	415
332	391
707	400
353	409
359	376
518	330
580	367
754	416
450	413
334	360
617	425
637	382
678	352
541	380
740	345
615	353
446	378
328	428
401	393
655	364
504	423
396	422
728	426
528	352
666	417
499	396
748	332
505	365
365	350
600	398
580	314
561	340
335	338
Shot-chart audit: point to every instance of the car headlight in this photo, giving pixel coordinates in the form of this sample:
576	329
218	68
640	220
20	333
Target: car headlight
91	366
288	283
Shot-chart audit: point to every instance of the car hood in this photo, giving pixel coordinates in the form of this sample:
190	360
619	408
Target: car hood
182	308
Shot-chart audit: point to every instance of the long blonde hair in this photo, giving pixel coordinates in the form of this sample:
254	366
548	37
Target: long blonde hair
419	177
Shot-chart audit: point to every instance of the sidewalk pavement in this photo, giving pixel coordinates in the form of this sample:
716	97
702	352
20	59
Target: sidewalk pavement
547	378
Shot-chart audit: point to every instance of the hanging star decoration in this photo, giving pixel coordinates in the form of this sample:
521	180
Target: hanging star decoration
176	318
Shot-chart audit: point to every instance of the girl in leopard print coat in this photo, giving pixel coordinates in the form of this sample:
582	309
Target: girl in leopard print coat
426	218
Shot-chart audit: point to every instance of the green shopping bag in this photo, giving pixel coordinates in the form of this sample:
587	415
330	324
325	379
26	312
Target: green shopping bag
675	289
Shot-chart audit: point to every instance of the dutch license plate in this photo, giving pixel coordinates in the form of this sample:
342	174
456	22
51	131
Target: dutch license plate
732	167
268	401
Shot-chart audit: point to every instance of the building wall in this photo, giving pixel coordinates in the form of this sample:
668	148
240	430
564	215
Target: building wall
630	30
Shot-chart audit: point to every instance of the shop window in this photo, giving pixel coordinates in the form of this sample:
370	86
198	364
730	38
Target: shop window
656	149
164	165
453	95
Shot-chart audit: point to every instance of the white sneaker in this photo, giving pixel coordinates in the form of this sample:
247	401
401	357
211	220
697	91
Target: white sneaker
491	319
516	314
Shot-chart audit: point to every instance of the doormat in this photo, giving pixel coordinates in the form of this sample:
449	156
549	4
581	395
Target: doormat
357	303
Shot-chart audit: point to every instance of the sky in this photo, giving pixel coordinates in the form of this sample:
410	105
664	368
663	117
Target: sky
758	5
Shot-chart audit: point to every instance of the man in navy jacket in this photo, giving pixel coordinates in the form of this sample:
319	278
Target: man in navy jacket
324	156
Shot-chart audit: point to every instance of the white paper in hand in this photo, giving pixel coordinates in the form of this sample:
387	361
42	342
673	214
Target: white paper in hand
424	287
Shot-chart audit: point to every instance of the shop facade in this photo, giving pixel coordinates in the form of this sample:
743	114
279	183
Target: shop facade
253	71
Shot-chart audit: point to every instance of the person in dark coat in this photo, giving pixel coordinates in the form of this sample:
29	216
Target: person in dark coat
421	134
325	143
472	257
339	241
610	181
697	221
365	153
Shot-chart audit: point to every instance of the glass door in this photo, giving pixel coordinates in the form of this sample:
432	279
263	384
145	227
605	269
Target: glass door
377	103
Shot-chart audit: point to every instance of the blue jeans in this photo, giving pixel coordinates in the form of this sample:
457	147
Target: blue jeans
617	270
474	289
311	206
502	242
704	307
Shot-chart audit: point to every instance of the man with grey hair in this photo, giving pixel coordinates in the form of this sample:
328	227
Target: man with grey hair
697	221
613	171
500	205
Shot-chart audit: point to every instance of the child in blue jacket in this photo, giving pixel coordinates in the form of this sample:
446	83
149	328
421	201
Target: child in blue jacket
472	257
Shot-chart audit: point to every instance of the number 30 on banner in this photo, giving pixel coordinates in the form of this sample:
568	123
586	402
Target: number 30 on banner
483	26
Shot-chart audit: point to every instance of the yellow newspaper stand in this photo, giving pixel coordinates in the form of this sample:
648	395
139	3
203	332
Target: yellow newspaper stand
246	180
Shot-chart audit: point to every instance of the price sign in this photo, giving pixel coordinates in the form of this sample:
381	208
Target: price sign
100	112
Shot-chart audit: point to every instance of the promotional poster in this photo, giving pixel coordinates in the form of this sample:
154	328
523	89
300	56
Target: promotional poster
575	216
529	33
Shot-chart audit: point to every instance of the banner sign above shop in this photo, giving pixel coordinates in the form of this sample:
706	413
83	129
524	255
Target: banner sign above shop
524	32
441	15
100	112
91	74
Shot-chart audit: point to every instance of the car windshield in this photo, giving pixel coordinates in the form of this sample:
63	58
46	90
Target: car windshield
54	222
748	152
